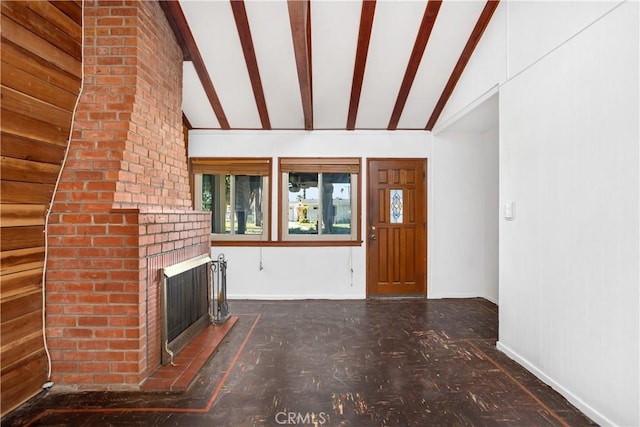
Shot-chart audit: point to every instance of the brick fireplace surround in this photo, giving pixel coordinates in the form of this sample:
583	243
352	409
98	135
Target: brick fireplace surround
123	207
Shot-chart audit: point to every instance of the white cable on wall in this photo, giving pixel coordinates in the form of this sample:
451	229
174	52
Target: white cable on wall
49	384
350	264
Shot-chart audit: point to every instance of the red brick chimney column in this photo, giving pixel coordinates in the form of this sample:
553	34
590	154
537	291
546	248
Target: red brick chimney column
124	197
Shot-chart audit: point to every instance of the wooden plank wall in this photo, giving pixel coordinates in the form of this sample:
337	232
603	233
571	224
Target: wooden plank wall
41	52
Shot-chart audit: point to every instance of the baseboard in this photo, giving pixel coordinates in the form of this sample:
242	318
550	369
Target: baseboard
587	409
285	297
442	296
493	300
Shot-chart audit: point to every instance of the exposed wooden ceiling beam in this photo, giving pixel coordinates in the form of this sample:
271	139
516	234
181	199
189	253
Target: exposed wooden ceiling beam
364	36
186	122
176	27
300	21
186	127
178	23
428	21
309	57
242	24
482	23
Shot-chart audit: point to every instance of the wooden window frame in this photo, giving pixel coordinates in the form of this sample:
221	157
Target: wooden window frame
352	165
235	166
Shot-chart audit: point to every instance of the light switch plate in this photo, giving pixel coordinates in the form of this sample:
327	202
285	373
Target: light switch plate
510	211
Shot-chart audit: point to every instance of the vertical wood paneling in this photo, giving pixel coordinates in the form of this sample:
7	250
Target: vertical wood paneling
383	257
395	260
395	173
382	205
41	55
410	262
410	206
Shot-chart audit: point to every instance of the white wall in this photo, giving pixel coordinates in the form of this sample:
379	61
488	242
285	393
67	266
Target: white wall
464	251
486	68
519	34
552	23
303	272
569	158
462	214
294	273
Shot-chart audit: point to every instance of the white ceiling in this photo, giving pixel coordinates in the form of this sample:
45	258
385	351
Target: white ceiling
480	119
333	34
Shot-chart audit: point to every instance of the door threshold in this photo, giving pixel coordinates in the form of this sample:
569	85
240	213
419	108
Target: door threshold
395	297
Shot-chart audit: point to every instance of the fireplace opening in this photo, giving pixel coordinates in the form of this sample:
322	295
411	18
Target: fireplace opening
186	302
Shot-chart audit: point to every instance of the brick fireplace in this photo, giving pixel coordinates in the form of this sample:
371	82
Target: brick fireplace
123	207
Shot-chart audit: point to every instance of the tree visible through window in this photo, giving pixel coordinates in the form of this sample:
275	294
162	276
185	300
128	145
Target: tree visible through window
319	203
235	202
237	196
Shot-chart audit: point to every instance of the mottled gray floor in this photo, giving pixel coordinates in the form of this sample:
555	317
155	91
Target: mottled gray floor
347	363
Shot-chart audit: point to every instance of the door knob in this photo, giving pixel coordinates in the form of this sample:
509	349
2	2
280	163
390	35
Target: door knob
372	236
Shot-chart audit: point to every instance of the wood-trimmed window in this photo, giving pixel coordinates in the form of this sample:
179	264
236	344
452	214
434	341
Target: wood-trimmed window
319	200
237	192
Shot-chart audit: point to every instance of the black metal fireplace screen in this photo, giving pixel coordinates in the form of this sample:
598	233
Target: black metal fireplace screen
194	293
186	302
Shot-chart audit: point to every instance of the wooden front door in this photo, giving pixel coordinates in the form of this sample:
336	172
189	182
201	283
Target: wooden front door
397	227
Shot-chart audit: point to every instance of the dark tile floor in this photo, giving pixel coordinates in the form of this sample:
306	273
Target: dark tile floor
336	363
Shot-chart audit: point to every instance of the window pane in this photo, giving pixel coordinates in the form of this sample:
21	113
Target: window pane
303	203
319	200
247	193
396	206
336	203
216	198
249	215
206	192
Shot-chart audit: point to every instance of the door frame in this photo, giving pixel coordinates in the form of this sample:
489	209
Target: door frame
367	222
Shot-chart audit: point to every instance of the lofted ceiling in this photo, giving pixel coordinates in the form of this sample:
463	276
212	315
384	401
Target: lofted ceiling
319	64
